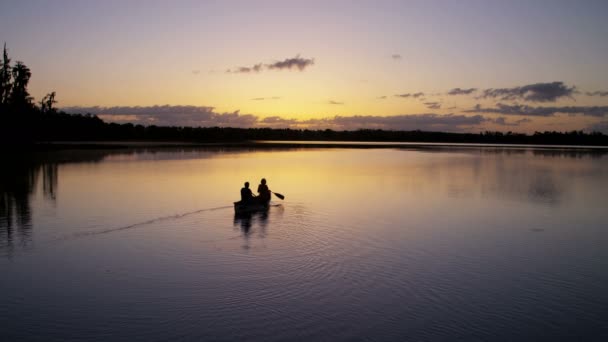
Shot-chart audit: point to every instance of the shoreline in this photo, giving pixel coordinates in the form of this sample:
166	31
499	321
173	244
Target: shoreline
304	144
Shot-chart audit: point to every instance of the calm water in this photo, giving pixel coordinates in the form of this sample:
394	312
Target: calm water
370	244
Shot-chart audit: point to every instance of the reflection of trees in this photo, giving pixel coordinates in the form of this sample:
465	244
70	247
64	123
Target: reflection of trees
18	179
528	174
20	176
49	181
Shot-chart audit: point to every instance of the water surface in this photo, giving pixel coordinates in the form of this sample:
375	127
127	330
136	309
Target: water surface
479	243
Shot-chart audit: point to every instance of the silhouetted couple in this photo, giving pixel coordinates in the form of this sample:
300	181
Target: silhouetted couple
263	196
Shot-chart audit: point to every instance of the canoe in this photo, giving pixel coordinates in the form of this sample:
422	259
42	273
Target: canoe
240	207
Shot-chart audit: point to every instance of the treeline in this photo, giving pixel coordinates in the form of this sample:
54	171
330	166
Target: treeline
25	122
66	127
21	119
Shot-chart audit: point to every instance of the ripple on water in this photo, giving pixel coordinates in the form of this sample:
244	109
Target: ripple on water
306	273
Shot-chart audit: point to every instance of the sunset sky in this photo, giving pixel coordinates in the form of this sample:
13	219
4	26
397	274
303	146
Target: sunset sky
431	65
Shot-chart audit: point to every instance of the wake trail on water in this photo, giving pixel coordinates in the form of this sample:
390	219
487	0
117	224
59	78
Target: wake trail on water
138	224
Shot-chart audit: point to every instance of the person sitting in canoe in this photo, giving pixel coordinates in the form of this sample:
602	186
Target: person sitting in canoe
263	192
246	194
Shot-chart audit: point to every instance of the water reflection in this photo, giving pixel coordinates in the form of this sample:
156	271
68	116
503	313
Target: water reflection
150	241
20	177
18	182
23	175
529	175
534	175
251	223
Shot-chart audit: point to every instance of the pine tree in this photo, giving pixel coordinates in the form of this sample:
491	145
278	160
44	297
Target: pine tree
5	78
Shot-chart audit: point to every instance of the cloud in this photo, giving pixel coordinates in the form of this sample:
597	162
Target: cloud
413	95
538	92
502	121
278	119
332	102
599	93
266	98
459	91
206	117
297	62
292	63
601	126
244	70
524	120
396	56
277	122
196	72
517	109
168	115
425	122
433	105
382	97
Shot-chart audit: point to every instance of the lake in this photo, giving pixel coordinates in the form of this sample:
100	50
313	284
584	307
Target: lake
420	243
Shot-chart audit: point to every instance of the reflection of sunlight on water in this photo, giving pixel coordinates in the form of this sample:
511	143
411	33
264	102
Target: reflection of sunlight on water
166	183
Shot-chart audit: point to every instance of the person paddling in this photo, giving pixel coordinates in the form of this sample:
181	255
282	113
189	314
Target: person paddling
264	192
246	194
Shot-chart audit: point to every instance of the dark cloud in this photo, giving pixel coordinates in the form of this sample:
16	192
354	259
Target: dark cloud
396	56
460	91
278	122
502	121
412	95
257	67
526	110
601	126
278	119
288	63
292	63
426	122
169	116
524	120
538	92
244	70
332	102
382	97
196	72
599	93
433	105
206	117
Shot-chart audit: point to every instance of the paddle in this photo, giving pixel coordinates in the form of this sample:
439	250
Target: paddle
278	195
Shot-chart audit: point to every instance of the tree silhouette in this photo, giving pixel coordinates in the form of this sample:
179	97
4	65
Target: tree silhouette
19	96
5	78
47	102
